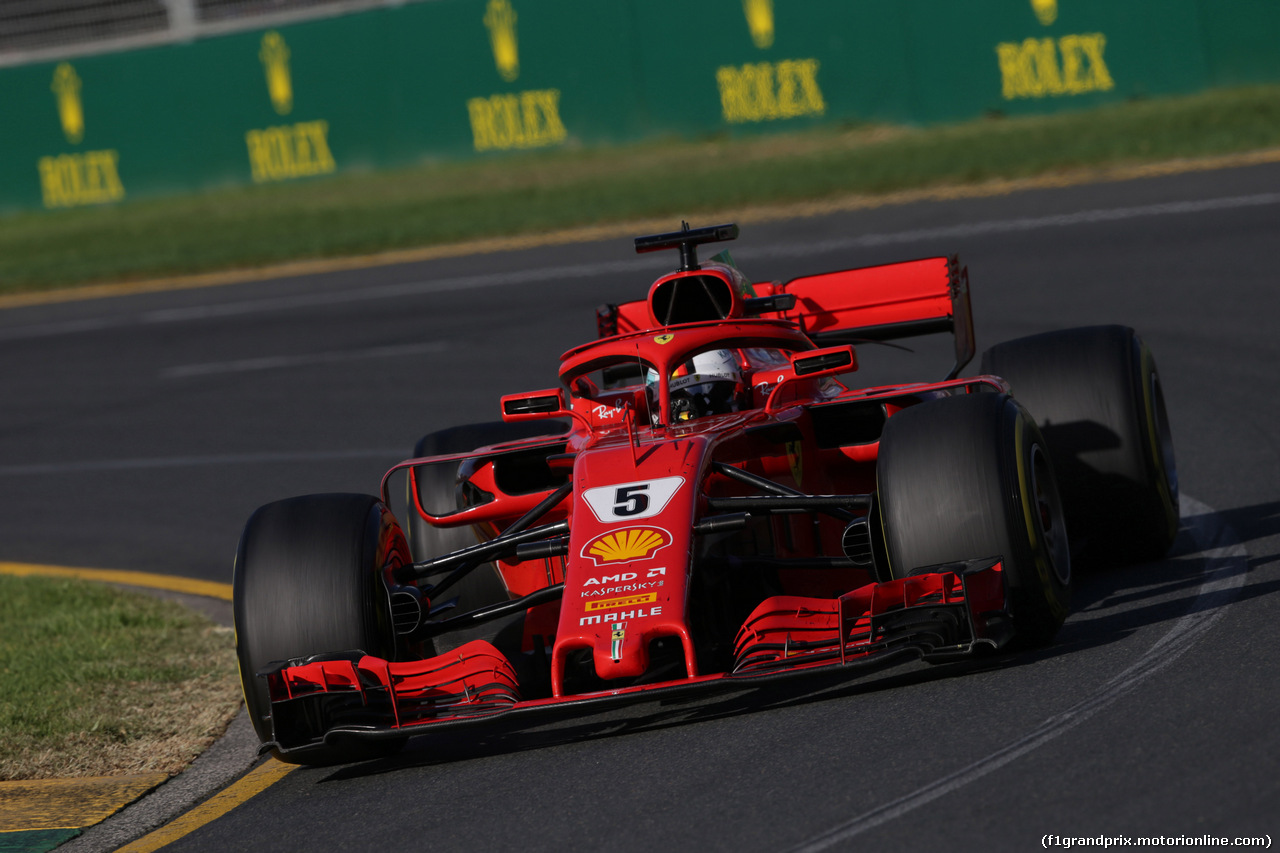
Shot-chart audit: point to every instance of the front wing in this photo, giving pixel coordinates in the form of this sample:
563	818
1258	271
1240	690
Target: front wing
941	613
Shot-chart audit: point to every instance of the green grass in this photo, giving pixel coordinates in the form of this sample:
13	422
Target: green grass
98	681
441	203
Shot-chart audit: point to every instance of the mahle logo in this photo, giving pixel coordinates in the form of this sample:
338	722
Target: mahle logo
760	21
1046	10
500	19
66	85
275	63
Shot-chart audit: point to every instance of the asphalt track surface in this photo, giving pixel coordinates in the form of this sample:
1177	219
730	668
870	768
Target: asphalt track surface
139	433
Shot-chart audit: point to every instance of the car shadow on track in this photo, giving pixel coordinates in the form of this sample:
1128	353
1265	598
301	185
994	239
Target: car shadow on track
1108	606
1111	604
502	737
1255	523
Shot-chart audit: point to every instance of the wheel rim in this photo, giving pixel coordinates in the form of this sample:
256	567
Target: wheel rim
1047	515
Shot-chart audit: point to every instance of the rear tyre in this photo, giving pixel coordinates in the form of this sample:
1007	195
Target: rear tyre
969	477
309	580
437	489
1096	395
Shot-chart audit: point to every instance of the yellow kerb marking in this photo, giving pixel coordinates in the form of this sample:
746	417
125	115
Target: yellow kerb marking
69	803
249	786
171	583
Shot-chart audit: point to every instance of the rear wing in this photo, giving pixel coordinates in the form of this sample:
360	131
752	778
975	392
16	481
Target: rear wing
881	303
885	303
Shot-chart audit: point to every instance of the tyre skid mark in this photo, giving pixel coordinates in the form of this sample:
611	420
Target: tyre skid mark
1225	561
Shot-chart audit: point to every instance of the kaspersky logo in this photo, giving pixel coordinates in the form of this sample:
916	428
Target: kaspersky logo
760	21
626	545
500	19
1046	10
275	63
66	85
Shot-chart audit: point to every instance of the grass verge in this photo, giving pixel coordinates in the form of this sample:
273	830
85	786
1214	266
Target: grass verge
433	204
96	681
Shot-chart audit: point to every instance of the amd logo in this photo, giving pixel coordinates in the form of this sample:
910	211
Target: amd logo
624	577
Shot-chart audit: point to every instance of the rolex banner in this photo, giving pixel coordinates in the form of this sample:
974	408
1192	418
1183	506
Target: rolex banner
464	78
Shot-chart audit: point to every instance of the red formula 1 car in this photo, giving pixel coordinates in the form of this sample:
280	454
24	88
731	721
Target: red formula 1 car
701	503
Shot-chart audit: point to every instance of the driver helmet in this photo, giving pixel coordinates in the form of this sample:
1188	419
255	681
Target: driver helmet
709	384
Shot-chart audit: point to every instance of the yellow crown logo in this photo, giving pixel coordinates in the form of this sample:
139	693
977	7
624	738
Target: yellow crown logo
500	18
760	20
634	543
1046	10
66	85
275	62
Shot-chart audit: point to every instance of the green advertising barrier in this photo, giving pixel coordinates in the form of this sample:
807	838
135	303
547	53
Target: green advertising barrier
1242	41
377	89
463	78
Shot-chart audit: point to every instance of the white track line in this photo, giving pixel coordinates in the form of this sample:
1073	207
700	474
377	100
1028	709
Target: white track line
1014	226
265	458
1224	573
626	266
285	361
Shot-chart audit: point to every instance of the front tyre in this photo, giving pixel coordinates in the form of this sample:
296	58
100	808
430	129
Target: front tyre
969	477
309	580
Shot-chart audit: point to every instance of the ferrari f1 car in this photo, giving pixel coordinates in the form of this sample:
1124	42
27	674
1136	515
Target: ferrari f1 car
703	503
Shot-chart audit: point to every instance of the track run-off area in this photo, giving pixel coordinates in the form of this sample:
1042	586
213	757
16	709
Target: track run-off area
143	430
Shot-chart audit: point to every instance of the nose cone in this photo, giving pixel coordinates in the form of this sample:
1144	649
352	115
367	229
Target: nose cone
626	578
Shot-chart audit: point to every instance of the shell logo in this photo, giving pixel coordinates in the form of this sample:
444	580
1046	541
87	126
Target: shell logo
626	545
1046	10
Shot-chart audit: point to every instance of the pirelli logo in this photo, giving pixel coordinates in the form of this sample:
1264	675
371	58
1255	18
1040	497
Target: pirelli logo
629	601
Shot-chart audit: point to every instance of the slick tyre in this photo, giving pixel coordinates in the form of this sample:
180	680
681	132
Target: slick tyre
307	581
437	487
969	477
1096	395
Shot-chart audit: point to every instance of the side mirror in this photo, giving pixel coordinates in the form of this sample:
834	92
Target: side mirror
825	362
535	406
812	364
